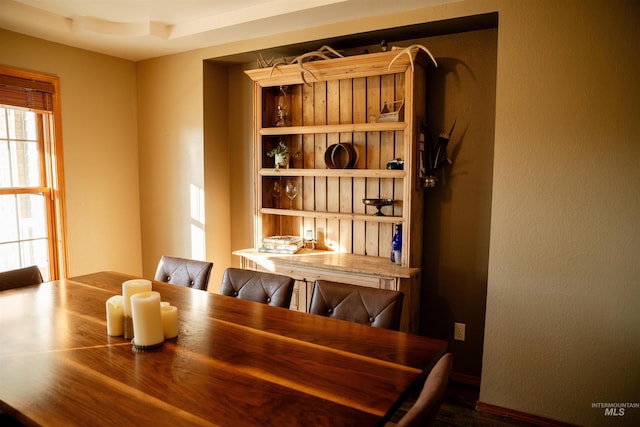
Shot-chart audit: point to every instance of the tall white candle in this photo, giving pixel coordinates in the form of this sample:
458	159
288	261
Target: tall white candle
170	321
130	288
147	319
115	316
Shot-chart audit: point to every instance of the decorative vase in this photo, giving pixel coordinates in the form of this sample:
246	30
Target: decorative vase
282	161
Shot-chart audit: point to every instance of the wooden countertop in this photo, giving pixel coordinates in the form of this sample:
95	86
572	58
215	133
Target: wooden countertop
351	263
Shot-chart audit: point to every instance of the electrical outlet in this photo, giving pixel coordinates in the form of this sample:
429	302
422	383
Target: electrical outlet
458	331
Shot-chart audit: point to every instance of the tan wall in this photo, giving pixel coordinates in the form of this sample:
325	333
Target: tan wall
562	319
181	152
217	165
171	145
241	152
99	129
563	325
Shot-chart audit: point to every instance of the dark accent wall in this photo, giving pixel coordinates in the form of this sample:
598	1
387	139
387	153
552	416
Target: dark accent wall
458	211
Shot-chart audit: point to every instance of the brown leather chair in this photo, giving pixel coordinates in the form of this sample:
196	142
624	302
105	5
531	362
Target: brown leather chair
424	410
184	272
20	277
259	286
371	306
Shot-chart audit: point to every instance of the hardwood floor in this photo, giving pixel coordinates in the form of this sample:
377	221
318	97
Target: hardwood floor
458	409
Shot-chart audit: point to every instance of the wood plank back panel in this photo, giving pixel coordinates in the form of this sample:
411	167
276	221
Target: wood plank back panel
339	102
333	102
309	156
319	108
333	183
373	162
360	145
346	184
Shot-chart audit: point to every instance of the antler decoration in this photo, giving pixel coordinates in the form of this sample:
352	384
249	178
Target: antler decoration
408	50
263	63
324	52
436	154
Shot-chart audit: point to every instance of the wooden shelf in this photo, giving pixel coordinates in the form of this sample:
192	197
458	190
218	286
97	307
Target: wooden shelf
373	64
338	128
334	173
347	263
387	219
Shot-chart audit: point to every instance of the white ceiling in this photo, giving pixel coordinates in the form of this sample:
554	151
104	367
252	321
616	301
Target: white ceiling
141	29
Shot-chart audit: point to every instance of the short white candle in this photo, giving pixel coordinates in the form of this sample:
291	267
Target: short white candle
115	316
129	288
147	320
170	321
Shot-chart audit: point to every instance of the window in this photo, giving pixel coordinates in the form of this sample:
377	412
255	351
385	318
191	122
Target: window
31	192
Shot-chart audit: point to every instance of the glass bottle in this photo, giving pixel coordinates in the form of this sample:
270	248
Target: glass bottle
396	245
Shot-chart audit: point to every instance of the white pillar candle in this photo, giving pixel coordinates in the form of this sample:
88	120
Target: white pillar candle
170	321
129	288
115	316
147	319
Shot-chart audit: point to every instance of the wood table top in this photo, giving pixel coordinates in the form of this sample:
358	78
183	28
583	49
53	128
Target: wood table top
234	362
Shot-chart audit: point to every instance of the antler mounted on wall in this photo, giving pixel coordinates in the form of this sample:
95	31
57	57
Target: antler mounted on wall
436	154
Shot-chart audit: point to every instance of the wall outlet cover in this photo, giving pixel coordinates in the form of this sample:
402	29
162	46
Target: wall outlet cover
459	331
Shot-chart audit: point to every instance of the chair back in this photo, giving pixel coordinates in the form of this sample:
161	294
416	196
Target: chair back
20	277
381	308
424	411
259	286
184	272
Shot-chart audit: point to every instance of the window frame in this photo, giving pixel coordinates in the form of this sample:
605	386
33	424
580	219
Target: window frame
52	169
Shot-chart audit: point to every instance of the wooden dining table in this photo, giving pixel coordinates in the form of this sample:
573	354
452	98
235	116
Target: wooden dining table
234	362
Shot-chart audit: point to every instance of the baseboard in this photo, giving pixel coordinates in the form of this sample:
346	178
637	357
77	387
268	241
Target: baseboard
520	416
465	379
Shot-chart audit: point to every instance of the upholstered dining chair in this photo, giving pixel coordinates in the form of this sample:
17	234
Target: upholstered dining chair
370	306
424	410
184	272
20	277
259	286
